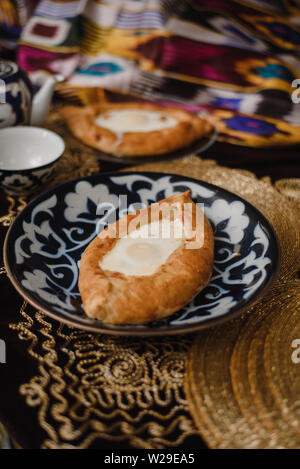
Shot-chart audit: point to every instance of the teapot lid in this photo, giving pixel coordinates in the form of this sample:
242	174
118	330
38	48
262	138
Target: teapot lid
7	68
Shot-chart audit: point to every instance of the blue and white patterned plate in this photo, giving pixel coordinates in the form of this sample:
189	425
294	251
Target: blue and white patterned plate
45	243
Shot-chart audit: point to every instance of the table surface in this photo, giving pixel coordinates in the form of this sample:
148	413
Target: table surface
277	163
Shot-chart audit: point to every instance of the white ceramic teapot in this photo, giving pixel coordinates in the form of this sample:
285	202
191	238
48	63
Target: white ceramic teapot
19	105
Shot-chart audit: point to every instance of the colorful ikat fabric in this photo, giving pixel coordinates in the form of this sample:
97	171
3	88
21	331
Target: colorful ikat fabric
236	59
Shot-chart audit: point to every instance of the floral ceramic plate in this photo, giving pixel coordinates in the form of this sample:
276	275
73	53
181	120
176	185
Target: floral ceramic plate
45	243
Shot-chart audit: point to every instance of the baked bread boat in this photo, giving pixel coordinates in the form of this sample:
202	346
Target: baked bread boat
148	264
134	129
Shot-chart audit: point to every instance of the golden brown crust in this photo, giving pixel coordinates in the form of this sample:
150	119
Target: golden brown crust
80	120
116	298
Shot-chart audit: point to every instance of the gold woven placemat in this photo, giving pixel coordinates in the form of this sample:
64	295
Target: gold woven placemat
236	384
241	382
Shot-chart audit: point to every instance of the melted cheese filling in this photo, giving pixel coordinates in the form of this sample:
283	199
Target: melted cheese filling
135	120
145	249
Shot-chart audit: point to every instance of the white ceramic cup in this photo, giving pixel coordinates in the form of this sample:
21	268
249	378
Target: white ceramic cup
28	156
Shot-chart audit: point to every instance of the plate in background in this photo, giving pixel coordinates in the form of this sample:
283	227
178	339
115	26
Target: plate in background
196	148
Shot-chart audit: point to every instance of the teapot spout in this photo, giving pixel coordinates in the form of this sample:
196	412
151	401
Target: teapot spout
42	100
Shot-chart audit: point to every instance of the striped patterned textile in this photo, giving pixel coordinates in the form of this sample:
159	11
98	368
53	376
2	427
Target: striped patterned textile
236	59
